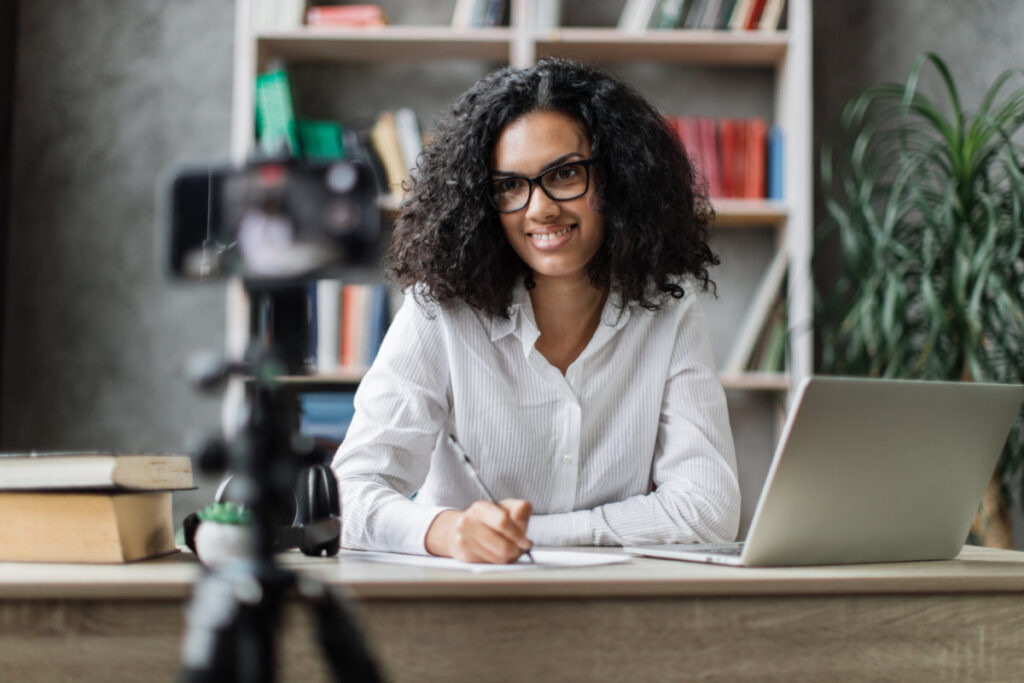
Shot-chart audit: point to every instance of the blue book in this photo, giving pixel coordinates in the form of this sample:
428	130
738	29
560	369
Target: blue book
775	165
379	319
311	323
326	415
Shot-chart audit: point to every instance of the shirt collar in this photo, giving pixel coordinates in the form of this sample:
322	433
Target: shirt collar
520	318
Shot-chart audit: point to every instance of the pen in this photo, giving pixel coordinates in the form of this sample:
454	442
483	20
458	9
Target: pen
459	451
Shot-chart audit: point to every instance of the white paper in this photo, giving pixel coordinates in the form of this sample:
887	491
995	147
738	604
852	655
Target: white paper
543	559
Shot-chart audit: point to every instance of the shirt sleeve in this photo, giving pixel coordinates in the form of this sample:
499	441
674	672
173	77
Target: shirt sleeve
696	495
400	408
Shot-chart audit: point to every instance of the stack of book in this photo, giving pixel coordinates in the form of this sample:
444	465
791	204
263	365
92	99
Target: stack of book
397	142
739	158
760	342
346	16
325	416
88	507
391	147
721	15
347	323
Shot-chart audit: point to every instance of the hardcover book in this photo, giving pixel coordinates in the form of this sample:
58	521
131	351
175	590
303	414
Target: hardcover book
85	527
88	470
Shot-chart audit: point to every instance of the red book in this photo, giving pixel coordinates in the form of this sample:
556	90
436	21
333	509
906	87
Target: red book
739	163
727	134
756	165
711	154
346	15
754	18
688	139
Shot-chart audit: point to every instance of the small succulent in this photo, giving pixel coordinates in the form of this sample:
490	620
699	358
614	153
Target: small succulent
226	513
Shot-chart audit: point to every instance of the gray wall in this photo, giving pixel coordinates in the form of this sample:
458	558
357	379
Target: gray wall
109	94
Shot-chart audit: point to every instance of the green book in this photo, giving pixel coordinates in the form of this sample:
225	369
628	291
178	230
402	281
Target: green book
276	127
320	140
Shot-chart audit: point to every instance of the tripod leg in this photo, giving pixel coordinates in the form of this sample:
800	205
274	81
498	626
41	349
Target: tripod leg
340	640
209	648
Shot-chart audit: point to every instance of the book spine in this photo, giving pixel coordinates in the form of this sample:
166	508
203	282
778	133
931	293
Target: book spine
384	135
756	162
711	155
410	141
771	18
346	15
775	163
328	299
275	114
754	18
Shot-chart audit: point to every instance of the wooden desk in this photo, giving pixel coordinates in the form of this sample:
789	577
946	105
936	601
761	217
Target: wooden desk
649	620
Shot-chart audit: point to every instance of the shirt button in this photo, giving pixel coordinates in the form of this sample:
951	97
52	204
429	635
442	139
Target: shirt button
567	459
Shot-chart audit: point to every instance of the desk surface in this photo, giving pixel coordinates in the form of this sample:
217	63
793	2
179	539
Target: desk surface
976	570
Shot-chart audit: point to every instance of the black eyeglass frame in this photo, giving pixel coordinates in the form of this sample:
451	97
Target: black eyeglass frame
535	180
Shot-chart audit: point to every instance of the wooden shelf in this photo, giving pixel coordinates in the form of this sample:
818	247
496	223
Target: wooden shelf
726	48
412	43
340	376
747	213
388	43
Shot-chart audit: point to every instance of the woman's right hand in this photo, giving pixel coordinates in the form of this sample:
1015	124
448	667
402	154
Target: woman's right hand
484	532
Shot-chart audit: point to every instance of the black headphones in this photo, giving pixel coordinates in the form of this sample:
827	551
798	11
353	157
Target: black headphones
312	523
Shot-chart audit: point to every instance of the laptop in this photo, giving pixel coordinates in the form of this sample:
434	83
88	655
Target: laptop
871	470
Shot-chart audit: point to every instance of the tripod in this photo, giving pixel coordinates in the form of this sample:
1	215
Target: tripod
233	616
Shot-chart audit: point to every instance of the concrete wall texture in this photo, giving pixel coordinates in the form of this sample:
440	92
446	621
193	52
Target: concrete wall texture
107	95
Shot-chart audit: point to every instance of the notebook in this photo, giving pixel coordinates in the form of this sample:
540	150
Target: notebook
871	470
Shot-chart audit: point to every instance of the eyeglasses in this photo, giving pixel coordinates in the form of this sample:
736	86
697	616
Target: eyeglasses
566	181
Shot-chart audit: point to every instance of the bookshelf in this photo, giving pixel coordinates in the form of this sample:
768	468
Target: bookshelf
785	54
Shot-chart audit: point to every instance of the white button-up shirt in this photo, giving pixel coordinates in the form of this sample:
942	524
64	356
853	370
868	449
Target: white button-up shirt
632	445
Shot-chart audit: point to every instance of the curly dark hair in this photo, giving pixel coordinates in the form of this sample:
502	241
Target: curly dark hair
448	243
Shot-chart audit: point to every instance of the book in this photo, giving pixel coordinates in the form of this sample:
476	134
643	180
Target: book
410	141
756	163
771	17
90	470
724	13
547	14
325	416
353	16
384	135
354	301
775	163
495	13
710	16
740	12
312	322
754	17
276	127
462	15
379	312
320	140
670	14
758	314
85	527
328	309
709	146
636	15
694	14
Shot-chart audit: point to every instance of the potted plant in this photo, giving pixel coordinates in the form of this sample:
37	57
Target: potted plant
926	202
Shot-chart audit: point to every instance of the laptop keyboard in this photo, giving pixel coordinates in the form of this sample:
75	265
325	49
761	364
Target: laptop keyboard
731	549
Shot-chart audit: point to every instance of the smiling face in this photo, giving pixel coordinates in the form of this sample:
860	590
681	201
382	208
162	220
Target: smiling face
556	239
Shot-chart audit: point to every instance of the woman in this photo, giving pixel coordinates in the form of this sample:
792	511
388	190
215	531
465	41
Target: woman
549	250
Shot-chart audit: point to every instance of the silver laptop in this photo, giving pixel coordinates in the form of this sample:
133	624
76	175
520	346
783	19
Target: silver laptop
871	470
